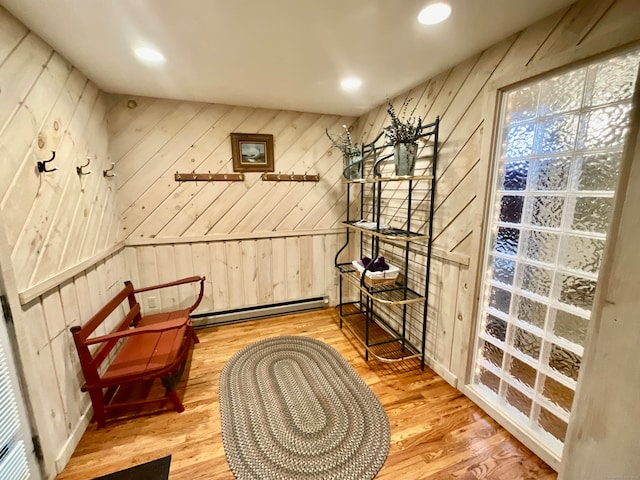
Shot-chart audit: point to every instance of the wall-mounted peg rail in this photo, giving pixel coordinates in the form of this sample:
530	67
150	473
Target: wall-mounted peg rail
209	177
290	177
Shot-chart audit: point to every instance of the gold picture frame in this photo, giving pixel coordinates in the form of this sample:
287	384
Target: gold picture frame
252	152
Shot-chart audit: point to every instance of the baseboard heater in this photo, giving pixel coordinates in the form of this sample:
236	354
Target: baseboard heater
243	314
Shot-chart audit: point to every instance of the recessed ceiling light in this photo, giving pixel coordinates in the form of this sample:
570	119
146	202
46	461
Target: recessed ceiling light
150	55
434	13
350	84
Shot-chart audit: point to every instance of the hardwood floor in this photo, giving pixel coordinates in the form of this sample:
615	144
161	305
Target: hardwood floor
436	432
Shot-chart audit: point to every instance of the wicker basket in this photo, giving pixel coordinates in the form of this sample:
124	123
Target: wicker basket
377	279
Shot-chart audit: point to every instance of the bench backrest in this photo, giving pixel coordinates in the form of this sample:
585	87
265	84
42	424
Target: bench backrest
91	362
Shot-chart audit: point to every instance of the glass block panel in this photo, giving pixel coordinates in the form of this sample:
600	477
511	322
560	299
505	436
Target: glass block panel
540	246
491	354
496	327
527	343
583	253
521	104
506	240
545	211
557	134
499	299
565	362
604	128
488	379
557	393
570	327
592	214
519	141
614	79
503	270
552	424
558	164
519	400
531	311
562	93
511	208
597	172
515	175
577	291
521	372
535	279
550	174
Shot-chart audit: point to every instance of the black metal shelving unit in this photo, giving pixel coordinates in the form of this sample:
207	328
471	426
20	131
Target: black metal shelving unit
389	224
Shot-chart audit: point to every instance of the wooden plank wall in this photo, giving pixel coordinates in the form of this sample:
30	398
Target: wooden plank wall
52	223
53	220
239	272
257	242
151	139
459	97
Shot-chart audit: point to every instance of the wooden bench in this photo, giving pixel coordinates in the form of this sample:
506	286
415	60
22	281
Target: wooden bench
139	349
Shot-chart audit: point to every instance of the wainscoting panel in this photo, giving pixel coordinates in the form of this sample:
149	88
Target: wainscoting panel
240	272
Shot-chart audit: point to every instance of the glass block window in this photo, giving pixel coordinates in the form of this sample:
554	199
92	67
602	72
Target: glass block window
558	159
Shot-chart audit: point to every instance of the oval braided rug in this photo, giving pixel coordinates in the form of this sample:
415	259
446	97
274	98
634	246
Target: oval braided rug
293	408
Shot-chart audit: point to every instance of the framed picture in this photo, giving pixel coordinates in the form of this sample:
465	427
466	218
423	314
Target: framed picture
252	152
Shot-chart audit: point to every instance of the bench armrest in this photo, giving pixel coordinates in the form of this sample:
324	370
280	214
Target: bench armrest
178	282
170	284
157	327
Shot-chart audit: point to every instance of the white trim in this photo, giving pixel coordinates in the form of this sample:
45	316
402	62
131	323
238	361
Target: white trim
41	288
442	371
73	439
227	237
527	438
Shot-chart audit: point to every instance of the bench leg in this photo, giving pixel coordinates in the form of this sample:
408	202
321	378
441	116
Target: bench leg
98	406
177	404
169	382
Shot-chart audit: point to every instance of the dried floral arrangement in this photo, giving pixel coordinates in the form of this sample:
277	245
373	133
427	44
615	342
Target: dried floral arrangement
344	143
403	128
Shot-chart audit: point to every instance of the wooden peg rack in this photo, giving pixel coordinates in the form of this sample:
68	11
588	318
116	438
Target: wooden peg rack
209	177
290	177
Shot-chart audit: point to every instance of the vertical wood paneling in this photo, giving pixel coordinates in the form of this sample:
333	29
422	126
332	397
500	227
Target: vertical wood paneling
249	272
218	278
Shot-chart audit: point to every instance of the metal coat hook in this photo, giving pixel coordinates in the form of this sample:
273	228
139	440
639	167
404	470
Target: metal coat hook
42	167
80	169
107	173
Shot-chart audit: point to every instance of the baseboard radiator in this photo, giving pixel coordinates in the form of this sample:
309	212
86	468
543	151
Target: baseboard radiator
243	314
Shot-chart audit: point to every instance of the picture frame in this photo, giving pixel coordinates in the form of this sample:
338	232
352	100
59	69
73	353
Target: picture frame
252	152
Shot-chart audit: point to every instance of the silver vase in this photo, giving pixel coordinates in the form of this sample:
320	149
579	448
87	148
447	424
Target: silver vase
352	166
405	158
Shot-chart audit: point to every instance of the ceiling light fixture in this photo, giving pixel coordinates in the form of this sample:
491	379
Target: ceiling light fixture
434	13
351	84
149	55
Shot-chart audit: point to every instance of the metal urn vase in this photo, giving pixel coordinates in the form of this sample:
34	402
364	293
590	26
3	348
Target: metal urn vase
405	155
352	166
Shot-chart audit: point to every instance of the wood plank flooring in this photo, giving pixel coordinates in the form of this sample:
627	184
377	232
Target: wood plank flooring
436	432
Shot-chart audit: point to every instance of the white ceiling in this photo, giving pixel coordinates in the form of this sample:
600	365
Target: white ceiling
285	54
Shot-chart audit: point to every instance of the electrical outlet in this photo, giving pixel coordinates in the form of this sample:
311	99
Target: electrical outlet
152	302
336	279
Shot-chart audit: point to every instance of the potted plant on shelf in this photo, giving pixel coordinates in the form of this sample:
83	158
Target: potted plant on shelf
403	134
351	153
